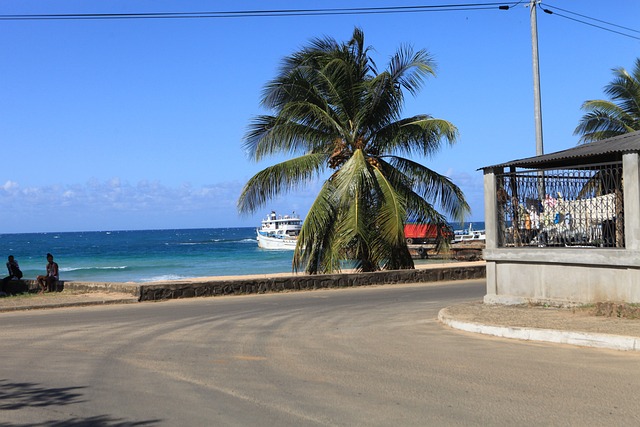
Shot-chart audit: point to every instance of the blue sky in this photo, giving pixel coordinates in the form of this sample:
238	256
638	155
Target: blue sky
138	124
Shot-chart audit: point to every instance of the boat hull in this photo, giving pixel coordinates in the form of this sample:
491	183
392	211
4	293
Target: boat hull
267	242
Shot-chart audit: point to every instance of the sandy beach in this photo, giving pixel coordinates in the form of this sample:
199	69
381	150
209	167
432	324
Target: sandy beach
284	274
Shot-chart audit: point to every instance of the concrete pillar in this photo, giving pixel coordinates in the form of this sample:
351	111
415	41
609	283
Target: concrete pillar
631	192
492	281
490	209
491	228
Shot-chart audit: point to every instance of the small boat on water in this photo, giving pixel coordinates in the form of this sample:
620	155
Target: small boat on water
469	235
279	231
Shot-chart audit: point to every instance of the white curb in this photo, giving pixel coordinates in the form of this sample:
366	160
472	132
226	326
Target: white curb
584	339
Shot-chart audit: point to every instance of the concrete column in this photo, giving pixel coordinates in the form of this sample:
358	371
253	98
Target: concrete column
492	281
631	191
491	229
490	209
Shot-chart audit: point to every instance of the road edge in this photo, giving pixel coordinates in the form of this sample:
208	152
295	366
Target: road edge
582	339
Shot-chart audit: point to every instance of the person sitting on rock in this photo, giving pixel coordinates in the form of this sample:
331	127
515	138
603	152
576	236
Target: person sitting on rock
14	274
50	281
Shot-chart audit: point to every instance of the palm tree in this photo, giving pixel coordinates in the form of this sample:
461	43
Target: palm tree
334	112
605	119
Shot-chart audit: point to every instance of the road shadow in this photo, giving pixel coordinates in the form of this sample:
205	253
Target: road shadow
97	421
16	396
21	395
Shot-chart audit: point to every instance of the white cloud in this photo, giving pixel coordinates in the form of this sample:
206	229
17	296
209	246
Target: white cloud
97	204
10	186
118	204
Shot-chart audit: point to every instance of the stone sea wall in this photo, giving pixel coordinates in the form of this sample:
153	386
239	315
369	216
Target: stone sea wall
238	286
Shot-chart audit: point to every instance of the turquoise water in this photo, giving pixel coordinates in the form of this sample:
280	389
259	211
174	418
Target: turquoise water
120	256
149	255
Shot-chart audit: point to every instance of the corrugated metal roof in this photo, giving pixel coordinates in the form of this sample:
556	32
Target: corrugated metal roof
607	150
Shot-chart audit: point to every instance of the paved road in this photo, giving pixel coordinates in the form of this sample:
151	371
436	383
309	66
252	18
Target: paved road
352	357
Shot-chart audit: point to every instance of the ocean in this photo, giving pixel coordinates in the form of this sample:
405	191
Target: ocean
147	255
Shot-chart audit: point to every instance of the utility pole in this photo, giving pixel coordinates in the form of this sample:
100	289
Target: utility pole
537	109
537	105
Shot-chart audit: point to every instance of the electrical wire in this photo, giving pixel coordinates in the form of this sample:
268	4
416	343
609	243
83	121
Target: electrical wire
322	12
593	19
259	13
591	24
513	5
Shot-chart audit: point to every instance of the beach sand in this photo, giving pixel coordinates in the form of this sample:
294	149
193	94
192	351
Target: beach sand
346	271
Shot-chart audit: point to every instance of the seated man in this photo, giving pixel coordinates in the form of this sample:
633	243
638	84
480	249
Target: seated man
14	274
50	281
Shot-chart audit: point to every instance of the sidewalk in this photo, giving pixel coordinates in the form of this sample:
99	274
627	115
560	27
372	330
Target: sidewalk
558	325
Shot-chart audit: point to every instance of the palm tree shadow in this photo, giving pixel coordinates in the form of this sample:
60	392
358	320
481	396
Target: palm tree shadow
15	396
97	421
20	395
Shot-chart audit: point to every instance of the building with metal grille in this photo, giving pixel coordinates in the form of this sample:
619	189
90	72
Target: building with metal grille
564	228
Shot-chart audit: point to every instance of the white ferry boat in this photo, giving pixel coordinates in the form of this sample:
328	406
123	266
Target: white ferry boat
469	235
279	231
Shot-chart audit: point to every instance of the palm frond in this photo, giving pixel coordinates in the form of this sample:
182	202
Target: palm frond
409	68
625	90
276	179
434	187
353	185
418	135
605	119
392	210
314	249
269	136
389	250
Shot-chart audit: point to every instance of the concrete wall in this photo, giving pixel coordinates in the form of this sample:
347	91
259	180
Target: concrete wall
562	276
186	289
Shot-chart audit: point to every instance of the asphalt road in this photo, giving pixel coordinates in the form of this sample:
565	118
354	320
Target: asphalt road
353	357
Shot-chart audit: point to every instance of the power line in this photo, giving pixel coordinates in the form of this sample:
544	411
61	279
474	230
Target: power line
318	12
258	13
589	23
593	19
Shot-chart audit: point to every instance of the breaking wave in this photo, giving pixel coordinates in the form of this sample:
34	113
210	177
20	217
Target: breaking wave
68	269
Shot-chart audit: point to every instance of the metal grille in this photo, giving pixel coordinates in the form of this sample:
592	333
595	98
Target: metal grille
561	207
